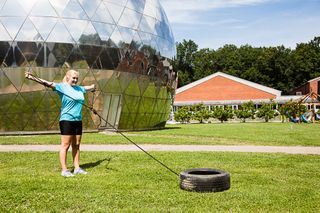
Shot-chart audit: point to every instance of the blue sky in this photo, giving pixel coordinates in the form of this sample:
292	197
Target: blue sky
214	23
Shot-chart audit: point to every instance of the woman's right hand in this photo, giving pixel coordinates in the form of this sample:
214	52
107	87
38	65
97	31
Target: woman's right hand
28	75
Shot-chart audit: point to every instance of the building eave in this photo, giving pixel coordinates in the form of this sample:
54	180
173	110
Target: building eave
278	100
315	79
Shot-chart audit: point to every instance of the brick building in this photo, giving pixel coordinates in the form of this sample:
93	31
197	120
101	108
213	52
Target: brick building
310	92
220	89
311	86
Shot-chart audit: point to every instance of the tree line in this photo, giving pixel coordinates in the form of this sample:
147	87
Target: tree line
276	67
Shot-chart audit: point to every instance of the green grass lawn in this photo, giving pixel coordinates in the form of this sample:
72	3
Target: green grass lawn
132	182
272	134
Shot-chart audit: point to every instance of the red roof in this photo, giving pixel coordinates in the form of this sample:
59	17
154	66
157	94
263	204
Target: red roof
221	87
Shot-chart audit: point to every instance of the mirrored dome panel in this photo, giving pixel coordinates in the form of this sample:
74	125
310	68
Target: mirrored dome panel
123	46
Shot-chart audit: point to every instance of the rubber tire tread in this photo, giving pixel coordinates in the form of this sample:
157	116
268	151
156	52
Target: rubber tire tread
216	182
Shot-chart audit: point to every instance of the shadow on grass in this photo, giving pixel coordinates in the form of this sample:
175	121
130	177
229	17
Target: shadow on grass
97	163
152	130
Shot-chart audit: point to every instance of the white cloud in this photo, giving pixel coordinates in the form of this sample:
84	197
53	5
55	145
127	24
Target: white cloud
189	11
203	5
213	23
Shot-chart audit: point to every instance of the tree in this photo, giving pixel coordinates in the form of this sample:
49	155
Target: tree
200	112
292	109
228	60
222	113
184	61
267	112
277	67
245	111
183	114
204	62
306	62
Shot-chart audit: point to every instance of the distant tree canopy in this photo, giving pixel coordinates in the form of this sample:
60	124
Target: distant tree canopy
277	67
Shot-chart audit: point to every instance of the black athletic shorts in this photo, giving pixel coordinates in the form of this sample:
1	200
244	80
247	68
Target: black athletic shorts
71	127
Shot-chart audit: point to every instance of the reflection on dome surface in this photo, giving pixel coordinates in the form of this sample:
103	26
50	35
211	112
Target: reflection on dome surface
122	46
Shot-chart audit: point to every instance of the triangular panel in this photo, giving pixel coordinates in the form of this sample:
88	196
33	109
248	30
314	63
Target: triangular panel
12	121
13	7
116	39
28	32
4	48
118	2
115	10
127	34
61	52
50	102
30	50
74	10
113	85
126	79
130	19
132	87
8	93
4	35
59	5
90	6
137	5
60	34
108	59
35	122
86	77
150	91
44	25
143	83
90	36
150	9
136	42
104	30
103	15
18	58
103	77
91	53
76	59
147	24
43	8
2	3
27	6
32	99
12	24
75	27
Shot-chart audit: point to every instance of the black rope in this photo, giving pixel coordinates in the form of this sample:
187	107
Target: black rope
101	118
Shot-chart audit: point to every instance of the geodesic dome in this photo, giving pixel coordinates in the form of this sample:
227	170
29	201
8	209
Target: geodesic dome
123	46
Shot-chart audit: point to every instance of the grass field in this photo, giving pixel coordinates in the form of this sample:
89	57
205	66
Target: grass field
272	134
132	182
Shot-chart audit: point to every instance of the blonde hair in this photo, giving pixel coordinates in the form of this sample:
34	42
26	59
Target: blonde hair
68	73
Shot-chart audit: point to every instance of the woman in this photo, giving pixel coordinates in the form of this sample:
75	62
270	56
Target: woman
72	98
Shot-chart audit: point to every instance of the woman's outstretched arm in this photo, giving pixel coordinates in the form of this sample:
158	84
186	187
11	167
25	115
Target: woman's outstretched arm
46	83
92	88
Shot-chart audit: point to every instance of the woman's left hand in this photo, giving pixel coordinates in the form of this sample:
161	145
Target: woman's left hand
93	87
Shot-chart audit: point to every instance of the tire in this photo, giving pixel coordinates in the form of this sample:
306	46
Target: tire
204	180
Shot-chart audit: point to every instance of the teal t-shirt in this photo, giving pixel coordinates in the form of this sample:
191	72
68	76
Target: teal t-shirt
71	109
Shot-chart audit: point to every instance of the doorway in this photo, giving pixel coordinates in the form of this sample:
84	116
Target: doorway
111	111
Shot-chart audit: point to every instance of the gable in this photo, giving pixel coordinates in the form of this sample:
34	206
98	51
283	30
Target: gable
222	87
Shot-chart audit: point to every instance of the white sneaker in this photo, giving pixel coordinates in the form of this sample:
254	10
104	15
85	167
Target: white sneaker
66	173
79	171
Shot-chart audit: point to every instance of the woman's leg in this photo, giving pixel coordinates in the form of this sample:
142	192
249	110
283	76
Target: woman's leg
65	144
76	150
